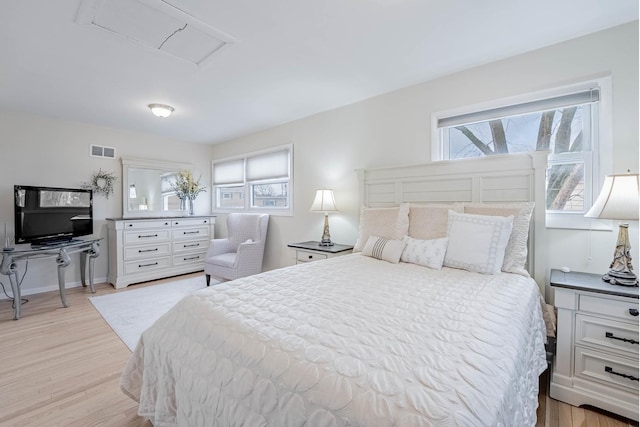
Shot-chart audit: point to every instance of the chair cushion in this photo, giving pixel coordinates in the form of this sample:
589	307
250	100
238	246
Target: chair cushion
225	260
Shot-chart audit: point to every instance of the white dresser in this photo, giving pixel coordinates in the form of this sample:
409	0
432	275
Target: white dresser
153	248
597	343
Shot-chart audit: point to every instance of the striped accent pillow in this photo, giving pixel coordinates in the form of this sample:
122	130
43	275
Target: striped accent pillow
385	249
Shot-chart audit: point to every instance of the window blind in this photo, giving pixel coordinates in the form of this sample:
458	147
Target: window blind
274	165
583	97
229	172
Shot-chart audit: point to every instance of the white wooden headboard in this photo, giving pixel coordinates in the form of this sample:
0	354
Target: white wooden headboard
494	179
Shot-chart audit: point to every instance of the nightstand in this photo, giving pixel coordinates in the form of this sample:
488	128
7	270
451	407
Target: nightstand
597	349
312	251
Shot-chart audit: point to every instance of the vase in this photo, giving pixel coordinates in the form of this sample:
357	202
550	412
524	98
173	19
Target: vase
183	203
190	206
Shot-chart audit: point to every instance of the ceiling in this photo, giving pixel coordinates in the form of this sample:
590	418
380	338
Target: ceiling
272	61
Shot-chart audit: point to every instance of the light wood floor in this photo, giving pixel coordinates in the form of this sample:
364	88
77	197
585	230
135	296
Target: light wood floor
61	367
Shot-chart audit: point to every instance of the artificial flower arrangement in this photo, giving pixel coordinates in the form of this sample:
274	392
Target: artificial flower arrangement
186	187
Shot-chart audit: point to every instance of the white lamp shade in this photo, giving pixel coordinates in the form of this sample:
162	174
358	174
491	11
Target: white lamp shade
618	198
161	110
324	202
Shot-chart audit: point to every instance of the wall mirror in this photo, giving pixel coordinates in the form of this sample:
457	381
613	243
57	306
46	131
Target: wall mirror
146	188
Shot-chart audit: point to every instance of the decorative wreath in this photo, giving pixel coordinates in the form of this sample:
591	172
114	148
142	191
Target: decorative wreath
102	182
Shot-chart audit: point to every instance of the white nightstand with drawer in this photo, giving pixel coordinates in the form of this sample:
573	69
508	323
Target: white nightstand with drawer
597	343
313	251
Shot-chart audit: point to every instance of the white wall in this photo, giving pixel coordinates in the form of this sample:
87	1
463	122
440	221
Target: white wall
43	151
391	129
394	129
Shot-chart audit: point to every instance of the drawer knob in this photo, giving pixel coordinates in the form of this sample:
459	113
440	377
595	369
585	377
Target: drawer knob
633	312
611	371
613	337
310	256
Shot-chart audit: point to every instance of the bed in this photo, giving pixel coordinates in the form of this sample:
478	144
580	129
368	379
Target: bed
368	339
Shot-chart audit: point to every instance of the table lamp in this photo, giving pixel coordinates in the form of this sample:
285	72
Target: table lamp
324	202
619	200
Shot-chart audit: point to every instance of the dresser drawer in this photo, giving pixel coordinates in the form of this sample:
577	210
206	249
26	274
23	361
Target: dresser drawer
607	369
190	246
609	307
193	258
133	267
190	222
147	251
304	256
141	225
144	237
191	233
608	334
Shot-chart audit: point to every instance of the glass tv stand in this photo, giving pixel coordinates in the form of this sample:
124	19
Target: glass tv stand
89	248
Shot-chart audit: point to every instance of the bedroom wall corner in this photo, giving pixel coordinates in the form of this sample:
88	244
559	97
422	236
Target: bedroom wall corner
394	129
51	152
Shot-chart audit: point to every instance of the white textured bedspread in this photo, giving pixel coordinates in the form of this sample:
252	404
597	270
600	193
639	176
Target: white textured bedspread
350	341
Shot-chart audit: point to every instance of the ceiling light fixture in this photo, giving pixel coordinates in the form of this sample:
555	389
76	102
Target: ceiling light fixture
161	110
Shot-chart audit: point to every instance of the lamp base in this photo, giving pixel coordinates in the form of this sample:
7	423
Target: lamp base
326	237
621	272
622	278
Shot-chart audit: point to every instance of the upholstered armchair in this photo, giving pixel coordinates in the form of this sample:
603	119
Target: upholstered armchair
241	253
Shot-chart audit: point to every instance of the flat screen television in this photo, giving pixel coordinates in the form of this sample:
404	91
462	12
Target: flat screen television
46	215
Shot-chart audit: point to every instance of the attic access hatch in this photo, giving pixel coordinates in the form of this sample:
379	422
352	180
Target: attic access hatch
155	24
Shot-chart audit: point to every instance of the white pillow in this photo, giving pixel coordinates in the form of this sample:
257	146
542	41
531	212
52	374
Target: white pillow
430	221
390	223
515	256
384	249
477	242
429	253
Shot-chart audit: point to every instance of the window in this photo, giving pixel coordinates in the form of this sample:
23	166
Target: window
567	124
258	181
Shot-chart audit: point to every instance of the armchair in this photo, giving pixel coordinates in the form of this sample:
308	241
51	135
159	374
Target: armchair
241	253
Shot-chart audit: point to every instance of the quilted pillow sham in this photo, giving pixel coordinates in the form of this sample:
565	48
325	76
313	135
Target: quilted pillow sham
515	257
430	221
389	223
429	253
477	243
385	249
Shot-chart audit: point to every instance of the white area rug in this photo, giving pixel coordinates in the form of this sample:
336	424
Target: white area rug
131	312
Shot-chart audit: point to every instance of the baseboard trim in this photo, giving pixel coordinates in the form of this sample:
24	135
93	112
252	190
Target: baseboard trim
48	288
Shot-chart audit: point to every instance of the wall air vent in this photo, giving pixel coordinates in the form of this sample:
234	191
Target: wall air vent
101	151
157	25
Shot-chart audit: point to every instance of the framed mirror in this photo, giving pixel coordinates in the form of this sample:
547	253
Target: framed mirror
146	188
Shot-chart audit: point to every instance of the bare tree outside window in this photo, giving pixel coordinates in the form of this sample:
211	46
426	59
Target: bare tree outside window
558	130
264	190
270	195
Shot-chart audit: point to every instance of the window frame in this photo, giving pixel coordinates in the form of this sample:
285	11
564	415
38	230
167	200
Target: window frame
246	195
600	157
